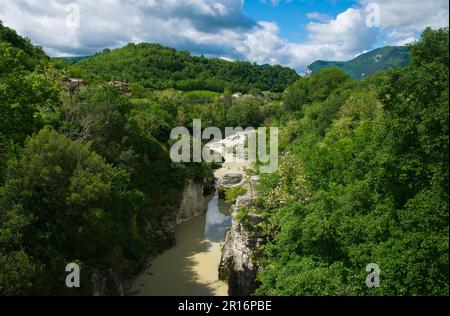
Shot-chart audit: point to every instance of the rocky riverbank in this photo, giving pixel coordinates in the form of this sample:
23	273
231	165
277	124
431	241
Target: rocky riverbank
192	204
239	266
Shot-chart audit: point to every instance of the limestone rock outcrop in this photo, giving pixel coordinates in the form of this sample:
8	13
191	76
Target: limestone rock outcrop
192	203
238	265
229	181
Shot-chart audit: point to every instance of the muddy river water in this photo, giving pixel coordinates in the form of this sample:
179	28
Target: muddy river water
191	267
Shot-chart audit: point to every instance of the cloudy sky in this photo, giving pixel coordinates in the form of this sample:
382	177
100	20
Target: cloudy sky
293	33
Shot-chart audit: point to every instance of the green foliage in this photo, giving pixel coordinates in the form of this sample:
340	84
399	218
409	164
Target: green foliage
369	63
364	176
71	60
158	68
57	196
201	96
29	92
3	156
232	194
24	94
245	113
131	135
431	48
242	217
102	117
32	55
313	89
366	181
153	117
93	192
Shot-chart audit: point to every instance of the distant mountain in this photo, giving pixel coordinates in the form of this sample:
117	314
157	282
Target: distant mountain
157	67
73	59
369	63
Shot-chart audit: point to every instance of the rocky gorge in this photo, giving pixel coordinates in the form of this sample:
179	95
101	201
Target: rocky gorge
215	244
245	238
239	266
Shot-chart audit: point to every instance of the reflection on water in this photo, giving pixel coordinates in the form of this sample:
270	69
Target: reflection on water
218	219
191	267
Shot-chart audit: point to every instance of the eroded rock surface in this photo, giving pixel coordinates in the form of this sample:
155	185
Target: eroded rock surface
238	265
192	204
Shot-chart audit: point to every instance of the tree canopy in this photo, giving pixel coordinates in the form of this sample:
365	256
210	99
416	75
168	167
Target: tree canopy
86	177
365	181
156	67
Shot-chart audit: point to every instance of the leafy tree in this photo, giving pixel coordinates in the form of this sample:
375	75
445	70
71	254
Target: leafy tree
314	89
366	182
297	95
245	113
24	94
158	68
431	47
3	156
33	55
57	196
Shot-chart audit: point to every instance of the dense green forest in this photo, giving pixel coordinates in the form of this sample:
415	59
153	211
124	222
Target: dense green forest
156	67
87	177
370	63
364	179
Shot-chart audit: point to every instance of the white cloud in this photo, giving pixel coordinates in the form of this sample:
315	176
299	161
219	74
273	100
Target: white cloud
339	39
276	2
403	20
112	23
214	28
318	16
348	32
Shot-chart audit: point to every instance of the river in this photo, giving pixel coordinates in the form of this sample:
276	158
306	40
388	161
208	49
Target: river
191	267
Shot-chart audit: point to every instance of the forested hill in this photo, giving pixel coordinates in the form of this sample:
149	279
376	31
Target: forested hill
72	59
86	179
156	67
33	55
370	63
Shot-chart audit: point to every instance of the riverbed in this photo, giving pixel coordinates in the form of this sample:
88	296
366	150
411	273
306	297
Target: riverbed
191	268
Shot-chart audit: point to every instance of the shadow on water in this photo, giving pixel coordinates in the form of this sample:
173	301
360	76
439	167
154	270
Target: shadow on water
191	267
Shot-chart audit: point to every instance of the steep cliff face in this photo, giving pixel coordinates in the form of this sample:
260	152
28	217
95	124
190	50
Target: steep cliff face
192	203
107	284
238	265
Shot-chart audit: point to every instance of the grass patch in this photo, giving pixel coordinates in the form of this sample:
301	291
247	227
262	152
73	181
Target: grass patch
231	195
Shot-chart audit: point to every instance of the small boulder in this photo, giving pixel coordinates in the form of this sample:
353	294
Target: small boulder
244	200
229	181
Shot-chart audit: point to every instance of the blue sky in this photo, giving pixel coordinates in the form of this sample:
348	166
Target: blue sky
292	33
291	16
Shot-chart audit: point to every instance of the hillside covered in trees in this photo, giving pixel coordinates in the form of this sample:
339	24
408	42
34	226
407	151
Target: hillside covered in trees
86	180
87	177
370	63
364	179
156	67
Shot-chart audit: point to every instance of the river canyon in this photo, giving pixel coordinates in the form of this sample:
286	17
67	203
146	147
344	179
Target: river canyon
191	267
